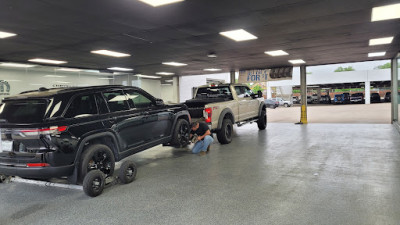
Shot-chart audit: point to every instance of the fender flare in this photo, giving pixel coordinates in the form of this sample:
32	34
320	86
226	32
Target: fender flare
222	116
180	115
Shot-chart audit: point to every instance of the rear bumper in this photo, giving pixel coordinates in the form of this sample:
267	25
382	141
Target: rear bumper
37	172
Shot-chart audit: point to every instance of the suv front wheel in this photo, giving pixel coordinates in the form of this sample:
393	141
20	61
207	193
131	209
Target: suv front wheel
97	157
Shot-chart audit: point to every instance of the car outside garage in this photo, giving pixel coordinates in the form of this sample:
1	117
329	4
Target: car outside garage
287	173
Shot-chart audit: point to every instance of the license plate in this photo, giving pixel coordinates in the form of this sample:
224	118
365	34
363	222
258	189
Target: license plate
6	146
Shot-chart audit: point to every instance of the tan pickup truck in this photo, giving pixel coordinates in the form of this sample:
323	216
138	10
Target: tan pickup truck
223	105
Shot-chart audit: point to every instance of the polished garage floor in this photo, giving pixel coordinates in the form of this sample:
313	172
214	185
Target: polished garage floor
288	174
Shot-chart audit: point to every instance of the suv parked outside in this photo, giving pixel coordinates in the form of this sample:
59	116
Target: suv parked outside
375	98
282	102
357	98
68	132
342	98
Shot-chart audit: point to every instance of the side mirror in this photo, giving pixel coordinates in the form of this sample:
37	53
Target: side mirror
159	102
260	94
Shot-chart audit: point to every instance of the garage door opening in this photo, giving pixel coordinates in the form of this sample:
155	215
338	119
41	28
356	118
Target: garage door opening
337	93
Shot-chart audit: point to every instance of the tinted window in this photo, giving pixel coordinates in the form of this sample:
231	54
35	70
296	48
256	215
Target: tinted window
139	100
216	92
23	111
83	105
101	103
242	91
116	101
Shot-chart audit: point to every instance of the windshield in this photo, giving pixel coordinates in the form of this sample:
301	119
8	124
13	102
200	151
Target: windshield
214	92
23	111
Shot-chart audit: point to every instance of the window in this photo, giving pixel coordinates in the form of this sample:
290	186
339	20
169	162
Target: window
81	106
243	91
116	101
138	100
214	92
23	111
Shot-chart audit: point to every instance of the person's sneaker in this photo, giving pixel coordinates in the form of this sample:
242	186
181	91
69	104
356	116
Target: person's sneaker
202	153
208	148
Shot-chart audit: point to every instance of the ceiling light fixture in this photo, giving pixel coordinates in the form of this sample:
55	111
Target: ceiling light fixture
69	69
169	81
376	54
276	53
174	64
19	65
6	34
212	69
120	69
156	3
106	78
148	76
386	12
381	41
47	61
297	61
63	82
110	53
54	76
212	55
238	35
91	71
165	73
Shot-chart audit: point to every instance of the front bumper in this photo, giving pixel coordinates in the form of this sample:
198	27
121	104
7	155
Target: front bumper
36	172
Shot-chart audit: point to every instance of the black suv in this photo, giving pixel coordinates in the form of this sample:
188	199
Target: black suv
68	132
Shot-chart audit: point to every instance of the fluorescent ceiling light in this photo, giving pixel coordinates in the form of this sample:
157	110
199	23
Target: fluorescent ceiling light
165	73
276	53
212	69
92	71
69	69
156	3
56	76
212	55
381	41
47	61
148	76
174	64
297	61
386	12
238	35
376	54
63	82
106	78
120	69
20	65
6	34
110	53
169	81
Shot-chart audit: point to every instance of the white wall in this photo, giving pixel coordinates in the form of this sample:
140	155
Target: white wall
186	83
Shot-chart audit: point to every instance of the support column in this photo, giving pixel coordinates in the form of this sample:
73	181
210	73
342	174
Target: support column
367	89
303	91
175	86
269	91
233	79
319	95
395	86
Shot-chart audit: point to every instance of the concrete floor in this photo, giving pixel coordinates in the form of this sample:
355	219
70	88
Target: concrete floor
288	174
377	113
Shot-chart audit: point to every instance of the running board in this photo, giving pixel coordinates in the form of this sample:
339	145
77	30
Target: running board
246	122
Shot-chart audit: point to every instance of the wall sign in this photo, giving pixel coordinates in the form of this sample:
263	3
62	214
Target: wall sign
4	87
263	75
253	76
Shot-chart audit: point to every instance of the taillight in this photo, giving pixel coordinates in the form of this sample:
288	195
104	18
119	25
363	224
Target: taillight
208	114
45	131
37	164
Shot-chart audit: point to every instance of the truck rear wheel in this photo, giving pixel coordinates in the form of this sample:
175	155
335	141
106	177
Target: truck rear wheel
180	137
262	120
224	135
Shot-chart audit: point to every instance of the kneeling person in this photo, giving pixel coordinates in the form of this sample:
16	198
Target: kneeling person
203	136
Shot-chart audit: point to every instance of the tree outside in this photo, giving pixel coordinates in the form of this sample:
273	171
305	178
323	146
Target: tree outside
344	69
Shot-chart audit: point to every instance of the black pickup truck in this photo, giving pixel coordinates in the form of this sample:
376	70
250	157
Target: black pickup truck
67	132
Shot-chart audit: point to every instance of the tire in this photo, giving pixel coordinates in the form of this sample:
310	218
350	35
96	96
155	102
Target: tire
262	120
97	157
286	105
93	184
181	134
127	172
224	135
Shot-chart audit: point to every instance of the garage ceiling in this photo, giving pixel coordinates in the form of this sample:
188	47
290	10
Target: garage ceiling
317	31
